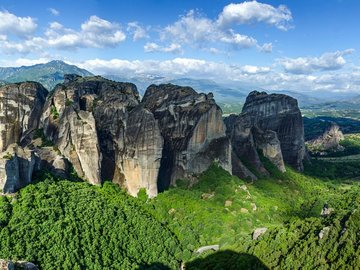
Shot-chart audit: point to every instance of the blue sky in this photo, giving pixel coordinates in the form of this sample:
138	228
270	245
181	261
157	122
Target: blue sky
307	45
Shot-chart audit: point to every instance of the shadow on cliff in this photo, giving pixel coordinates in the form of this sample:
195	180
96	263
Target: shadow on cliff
228	260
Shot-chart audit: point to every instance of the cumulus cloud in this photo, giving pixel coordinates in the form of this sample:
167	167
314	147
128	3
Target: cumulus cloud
254	12
54	11
196	30
137	31
153	47
258	76
307	65
10	24
177	67
94	33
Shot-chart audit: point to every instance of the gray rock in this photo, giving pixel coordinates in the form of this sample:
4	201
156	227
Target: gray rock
258	232
324	232
207	248
193	131
51	160
279	113
16	168
330	140
21	107
271	124
269	145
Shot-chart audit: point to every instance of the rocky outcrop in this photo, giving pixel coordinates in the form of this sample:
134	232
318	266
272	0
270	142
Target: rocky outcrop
268	144
104	130
269	124
193	131
329	141
11	265
21	106
16	168
279	113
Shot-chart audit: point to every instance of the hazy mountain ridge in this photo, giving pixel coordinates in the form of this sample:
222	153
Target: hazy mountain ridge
49	74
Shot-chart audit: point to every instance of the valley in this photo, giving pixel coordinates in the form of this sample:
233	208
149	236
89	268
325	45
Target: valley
97	204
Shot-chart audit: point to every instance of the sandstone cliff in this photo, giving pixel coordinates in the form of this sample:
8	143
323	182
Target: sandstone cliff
21	106
193	131
104	130
271	124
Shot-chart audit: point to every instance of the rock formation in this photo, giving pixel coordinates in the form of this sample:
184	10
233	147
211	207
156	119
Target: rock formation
20	109
16	168
193	131
271	124
21	106
329	141
104	130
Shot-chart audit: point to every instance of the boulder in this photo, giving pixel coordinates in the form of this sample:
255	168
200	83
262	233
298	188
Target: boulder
258	232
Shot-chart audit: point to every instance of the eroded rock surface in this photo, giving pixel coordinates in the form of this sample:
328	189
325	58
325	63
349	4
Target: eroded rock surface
21	106
329	141
193	131
16	168
269	124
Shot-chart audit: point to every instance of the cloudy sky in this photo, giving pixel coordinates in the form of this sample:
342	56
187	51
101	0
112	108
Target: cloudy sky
307	45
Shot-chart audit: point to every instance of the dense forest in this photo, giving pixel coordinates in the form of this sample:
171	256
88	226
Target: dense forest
62	224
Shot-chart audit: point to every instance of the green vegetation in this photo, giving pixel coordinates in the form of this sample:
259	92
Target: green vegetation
73	225
67	225
54	112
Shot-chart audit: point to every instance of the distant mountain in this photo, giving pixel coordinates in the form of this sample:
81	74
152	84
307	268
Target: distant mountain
48	74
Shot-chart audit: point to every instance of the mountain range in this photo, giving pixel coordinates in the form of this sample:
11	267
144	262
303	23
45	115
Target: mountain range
230	97
49	74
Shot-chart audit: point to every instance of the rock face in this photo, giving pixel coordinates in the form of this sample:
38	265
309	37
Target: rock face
330	140
16	168
193	131
20	110
10	265
271	124
104	130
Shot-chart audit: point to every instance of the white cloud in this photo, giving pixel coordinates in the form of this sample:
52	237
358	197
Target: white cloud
153	47
54	11
266	47
137	31
253	11
177	67
94	33
307	65
239	41
196	30
265	77
12	25
191	28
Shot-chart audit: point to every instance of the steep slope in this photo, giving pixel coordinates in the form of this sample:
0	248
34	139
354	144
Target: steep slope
21	107
49	74
108	134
